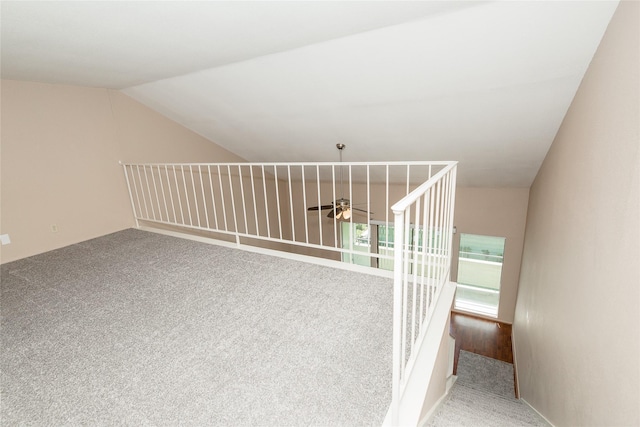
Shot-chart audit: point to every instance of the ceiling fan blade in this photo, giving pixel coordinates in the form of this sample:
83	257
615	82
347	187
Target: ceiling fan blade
361	210
319	208
331	213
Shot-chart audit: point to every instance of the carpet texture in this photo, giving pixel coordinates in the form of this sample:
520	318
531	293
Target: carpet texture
483	395
468	407
137	328
483	373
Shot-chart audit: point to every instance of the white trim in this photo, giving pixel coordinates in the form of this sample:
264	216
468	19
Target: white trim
279	240
433	411
536	411
452	357
515	365
281	254
417	384
443	163
493	319
478	288
410	198
479	261
461	310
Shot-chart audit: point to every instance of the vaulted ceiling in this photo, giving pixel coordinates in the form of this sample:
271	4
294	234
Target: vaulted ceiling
484	83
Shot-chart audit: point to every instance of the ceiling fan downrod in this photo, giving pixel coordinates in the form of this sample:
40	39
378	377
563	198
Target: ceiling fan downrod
340	208
341	147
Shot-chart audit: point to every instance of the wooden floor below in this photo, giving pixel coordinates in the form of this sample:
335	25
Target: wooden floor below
488	338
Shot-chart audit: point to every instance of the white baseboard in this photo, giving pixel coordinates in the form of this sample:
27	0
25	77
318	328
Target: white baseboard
515	362
273	252
536	411
479	315
429	415
450	382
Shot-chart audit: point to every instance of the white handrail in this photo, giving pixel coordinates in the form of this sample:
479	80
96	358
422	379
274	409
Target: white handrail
413	196
285	164
433	203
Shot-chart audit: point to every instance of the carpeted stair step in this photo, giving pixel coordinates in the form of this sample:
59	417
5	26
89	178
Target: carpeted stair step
467	406
483	395
486	374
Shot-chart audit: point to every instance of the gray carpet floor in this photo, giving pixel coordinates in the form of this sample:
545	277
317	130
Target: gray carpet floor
483	396
137	328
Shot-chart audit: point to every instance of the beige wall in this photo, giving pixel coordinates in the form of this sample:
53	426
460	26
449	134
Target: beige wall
498	212
438	383
143	135
577	314
59	166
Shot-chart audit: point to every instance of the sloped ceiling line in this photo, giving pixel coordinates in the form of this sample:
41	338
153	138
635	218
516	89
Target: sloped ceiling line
485	83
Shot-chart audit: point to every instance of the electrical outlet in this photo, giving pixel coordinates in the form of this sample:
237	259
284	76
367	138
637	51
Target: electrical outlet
54	228
4	239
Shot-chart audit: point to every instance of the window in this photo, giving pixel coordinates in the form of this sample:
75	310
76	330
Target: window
364	235
378	238
361	237
479	273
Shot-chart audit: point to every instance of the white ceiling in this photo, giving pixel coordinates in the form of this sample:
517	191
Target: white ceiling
484	83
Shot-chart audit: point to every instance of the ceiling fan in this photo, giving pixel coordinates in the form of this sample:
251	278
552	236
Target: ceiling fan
341	208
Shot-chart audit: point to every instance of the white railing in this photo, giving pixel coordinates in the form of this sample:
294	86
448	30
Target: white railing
267	204
250	202
423	223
